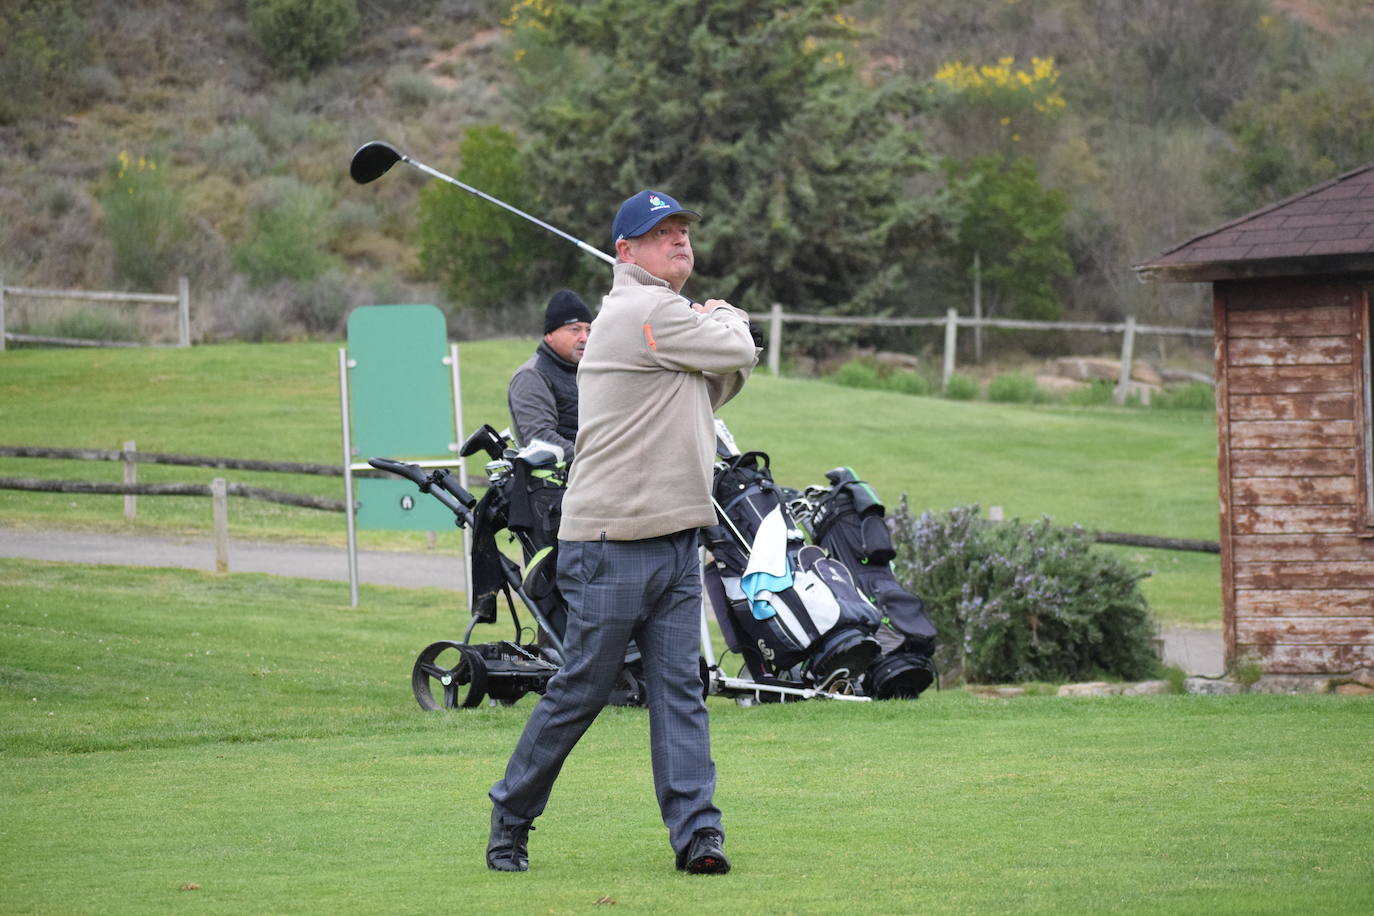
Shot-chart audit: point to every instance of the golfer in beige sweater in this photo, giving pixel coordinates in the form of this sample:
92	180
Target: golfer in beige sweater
651	377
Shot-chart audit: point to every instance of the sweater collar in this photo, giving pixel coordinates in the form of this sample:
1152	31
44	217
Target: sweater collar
558	361
626	274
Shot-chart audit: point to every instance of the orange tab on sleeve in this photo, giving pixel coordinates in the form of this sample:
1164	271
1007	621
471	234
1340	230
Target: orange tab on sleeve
649	337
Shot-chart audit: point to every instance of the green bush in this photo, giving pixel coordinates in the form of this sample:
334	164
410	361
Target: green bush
908	383
1014	388
1017	602
484	258
290	237
856	374
146	223
1192	396
299	35
88	324
961	388
1094	394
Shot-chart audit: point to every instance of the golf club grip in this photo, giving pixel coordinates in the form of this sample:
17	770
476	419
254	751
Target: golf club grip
412	472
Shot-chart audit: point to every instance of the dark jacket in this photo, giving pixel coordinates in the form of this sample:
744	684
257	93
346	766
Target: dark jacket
543	400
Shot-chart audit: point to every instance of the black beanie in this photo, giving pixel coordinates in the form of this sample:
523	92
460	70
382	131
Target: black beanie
566	307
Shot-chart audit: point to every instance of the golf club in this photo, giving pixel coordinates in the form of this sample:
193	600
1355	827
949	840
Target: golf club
373	160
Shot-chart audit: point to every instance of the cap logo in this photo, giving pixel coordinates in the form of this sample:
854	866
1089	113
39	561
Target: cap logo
656	202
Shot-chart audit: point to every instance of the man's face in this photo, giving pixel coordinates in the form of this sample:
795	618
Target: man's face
664	251
569	341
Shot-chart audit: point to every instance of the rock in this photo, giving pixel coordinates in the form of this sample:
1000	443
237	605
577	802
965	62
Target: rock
1091	689
1291	684
1354	690
1148	688
1089	368
1208	686
897	360
1365	677
1058	382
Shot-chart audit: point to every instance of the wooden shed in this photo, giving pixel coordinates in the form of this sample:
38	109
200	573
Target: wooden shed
1291	290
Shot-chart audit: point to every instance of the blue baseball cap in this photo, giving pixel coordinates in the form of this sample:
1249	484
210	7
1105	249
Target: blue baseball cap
644	211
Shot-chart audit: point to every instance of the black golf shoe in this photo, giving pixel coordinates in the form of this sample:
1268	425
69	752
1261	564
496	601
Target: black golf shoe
508	847
705	855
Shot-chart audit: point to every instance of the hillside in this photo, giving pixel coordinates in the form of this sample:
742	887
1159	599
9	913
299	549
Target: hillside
145	140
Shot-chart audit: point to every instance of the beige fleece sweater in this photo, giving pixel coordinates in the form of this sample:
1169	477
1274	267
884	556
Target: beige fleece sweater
652	375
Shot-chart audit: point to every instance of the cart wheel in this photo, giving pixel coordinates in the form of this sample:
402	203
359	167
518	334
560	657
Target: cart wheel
459	672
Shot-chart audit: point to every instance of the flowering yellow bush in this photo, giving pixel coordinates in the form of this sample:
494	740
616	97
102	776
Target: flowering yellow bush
126	162
1001	90
995	81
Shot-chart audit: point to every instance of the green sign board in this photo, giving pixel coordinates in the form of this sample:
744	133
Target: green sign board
401	395
399	383
393	504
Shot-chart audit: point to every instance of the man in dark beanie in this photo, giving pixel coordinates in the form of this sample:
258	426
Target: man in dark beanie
543	391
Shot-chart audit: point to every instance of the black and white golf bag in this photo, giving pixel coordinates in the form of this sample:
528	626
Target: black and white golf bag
848	521
791	611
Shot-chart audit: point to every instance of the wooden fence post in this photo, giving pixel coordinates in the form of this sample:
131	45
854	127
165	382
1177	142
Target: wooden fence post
775	340
130	476
951	338
1123	384
183	312
219	494
978	306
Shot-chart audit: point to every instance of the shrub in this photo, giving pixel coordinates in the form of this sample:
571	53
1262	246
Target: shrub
1097	393
1018	602
236	148
908	383
1014	388
1192	396
145	222
961	388
484	259
299	35
290	237
88	324
856	374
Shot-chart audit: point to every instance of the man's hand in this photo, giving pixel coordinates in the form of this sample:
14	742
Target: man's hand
709	304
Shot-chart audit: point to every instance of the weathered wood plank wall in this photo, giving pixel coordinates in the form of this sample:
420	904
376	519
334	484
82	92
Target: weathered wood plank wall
1297	551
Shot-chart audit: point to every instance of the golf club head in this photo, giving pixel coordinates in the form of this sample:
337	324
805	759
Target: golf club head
372	160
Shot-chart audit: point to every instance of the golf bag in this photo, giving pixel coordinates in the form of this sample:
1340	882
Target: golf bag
792	612
847	520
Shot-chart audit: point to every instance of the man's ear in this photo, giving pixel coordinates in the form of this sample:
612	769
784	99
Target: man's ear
624	251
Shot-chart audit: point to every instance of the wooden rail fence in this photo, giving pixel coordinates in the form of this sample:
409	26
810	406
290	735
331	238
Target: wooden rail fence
218	489
952	321
182	300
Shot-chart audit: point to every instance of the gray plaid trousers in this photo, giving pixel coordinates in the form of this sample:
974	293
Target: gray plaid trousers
648	591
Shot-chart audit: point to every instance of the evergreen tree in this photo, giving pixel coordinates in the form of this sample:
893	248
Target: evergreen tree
754	112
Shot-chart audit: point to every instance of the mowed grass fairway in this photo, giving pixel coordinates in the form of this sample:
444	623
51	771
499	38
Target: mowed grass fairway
179	741
1138	471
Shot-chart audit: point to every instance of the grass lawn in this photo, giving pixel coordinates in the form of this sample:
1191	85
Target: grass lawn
1132	470
253	740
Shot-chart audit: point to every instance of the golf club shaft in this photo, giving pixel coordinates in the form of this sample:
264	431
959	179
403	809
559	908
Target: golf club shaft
516	210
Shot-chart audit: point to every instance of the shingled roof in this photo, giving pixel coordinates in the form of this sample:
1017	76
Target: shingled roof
1323	230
